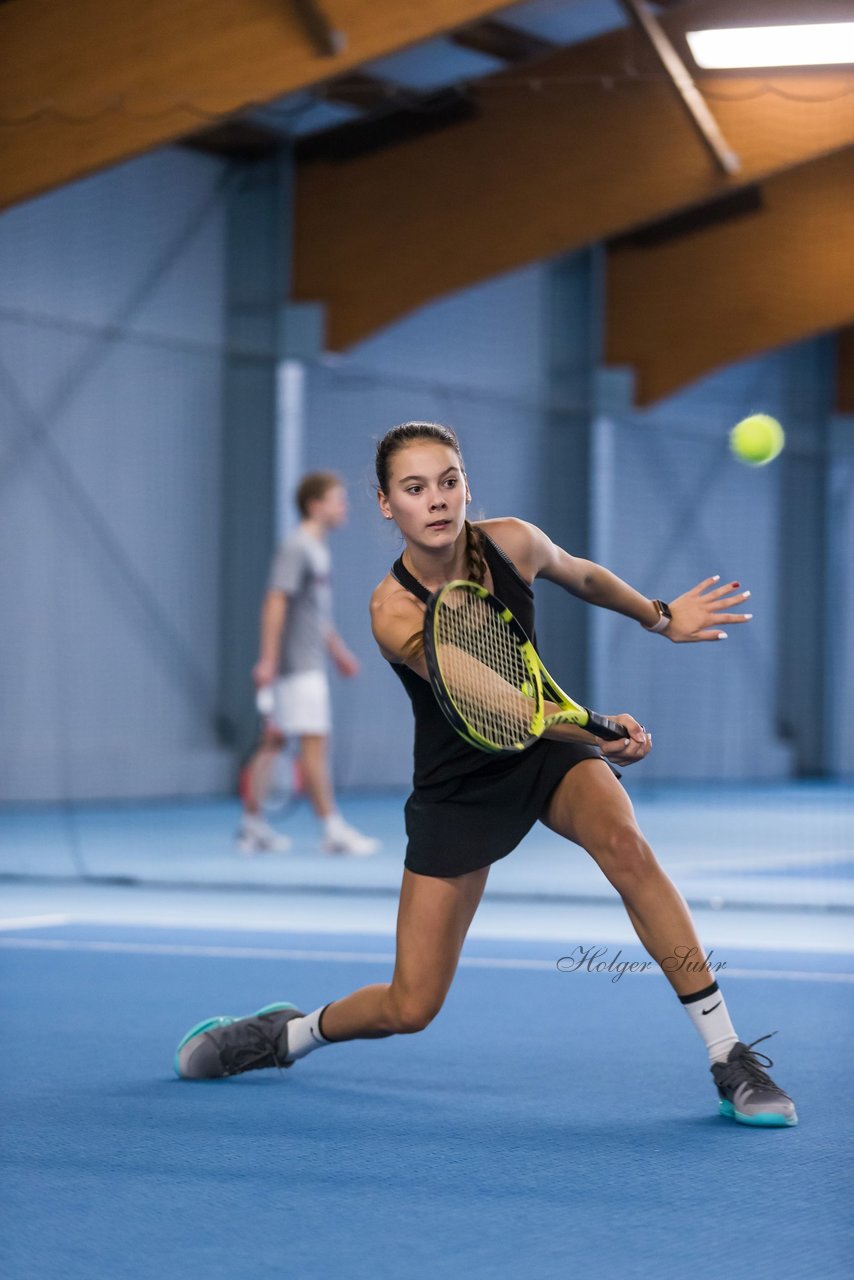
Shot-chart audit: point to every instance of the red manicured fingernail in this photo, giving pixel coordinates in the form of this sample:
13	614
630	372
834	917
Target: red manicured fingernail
736	584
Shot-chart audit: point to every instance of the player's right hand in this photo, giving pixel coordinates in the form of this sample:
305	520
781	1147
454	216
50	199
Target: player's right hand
263	673
629	750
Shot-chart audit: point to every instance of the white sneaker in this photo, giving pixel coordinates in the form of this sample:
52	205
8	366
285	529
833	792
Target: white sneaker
340	837
257	836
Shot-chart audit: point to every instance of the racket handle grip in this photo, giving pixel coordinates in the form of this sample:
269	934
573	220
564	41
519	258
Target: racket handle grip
609	730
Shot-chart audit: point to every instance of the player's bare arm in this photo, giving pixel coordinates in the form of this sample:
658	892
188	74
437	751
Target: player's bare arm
537	556
397	622
697	614
346	662
273	613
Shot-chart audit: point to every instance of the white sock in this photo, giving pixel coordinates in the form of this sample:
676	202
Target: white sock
709	1014
304	1035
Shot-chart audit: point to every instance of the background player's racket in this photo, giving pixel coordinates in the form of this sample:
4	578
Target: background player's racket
270	775
488	677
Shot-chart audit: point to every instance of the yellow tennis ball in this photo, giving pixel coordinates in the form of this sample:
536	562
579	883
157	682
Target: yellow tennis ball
757	439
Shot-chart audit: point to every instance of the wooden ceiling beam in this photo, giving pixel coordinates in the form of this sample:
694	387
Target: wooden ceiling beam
577	153
499	40
366	93
88	84
237	139
679	307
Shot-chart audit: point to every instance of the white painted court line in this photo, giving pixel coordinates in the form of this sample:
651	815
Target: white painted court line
33	922
193	949
774	860
354	957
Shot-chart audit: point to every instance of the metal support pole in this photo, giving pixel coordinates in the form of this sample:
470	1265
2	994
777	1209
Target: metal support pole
695	104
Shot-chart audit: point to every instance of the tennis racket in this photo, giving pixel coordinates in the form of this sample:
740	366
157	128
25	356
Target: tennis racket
488	678
270	775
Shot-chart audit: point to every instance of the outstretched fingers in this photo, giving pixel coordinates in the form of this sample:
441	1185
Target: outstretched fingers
733	617
726	598
727	595
703	611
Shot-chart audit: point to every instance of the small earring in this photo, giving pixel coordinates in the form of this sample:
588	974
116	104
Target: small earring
389	517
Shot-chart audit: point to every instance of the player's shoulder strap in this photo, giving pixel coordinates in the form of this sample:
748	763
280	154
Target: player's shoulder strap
406	580
500	564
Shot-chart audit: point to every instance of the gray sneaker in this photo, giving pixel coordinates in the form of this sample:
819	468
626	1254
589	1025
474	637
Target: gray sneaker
221	1047
747	1093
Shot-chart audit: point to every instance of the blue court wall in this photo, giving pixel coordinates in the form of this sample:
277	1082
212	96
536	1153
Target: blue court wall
112	314
111	336
840	615
690	510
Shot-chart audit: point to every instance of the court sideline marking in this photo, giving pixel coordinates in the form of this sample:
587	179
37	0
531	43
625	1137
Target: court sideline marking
34	922
352	957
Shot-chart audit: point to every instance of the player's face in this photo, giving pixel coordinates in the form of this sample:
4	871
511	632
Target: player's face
331	509
427	494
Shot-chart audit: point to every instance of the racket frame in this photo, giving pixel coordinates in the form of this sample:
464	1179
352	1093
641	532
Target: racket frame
542	684
443	694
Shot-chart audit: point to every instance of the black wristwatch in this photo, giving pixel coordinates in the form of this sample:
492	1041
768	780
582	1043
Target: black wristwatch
664	616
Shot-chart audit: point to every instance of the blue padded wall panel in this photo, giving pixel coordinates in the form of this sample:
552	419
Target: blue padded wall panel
111	331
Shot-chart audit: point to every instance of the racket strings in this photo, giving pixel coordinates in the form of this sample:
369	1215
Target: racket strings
483	669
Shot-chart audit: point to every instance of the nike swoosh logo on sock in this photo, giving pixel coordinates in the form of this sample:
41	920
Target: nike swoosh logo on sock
714	1006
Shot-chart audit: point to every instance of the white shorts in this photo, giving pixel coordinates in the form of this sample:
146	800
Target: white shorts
303	704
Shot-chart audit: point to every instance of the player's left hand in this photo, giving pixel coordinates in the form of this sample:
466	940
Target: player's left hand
346	663
639	742
700	613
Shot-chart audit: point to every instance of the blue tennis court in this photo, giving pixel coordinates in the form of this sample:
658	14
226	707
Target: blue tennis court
553	1118
546	1122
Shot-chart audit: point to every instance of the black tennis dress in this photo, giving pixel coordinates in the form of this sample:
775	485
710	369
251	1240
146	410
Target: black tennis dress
467	808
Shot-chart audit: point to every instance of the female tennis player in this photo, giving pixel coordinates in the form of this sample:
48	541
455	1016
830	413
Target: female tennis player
468	809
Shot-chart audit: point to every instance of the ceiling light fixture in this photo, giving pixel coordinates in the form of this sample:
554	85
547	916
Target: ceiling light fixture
808	44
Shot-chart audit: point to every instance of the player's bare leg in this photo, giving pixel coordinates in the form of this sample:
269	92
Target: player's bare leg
255	834
260	770
433	918
338	835
590	808
314	758
432	922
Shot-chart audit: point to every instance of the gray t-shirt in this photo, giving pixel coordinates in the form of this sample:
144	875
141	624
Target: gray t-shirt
302	568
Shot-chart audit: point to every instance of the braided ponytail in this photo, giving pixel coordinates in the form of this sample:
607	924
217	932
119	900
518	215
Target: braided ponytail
475	559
